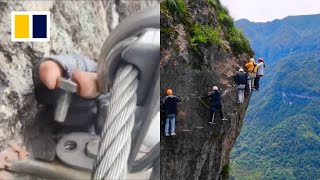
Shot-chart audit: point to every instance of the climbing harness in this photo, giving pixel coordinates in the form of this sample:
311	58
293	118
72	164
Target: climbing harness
129	80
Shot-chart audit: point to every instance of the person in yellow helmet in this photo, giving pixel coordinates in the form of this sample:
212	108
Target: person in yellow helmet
252	69
170	105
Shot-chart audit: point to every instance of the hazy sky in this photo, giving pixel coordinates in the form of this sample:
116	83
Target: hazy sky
268	10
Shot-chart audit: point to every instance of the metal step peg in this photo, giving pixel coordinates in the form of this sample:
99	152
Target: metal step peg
63	101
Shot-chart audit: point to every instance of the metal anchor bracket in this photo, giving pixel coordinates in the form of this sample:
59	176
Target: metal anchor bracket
144	54
78	150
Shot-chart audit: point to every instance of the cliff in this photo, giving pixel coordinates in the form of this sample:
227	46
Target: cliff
76	27
200	48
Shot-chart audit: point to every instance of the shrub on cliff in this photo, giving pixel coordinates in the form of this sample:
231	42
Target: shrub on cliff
177	7
238	42
205	34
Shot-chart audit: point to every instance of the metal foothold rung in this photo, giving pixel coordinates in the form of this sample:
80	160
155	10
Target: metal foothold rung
47	170
62	107
67	85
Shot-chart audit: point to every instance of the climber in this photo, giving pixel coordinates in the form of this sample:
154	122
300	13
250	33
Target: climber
252	69
241	81
82	113
260	72
170	105
216	104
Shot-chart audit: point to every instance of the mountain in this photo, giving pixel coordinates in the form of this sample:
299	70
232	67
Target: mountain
276	39
281	134
200	48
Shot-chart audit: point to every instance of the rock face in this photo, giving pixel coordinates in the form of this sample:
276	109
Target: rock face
76	27
199	150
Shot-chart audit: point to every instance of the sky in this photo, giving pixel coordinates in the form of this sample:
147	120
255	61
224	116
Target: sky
268	10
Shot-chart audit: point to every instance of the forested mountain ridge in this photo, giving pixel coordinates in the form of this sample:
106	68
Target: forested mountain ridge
277	39
281	134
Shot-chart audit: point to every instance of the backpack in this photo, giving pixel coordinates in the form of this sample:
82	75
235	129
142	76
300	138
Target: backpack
254	67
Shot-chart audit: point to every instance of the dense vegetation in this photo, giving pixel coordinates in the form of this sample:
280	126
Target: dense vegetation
209	34
281	135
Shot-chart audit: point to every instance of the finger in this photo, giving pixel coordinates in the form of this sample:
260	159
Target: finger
23	154
87	83
49	72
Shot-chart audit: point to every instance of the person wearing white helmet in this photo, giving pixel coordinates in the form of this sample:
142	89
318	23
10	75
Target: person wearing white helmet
216	104
241	81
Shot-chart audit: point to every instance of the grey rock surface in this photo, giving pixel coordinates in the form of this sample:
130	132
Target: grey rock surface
76	27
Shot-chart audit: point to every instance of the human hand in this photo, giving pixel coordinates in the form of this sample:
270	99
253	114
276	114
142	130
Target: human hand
50	72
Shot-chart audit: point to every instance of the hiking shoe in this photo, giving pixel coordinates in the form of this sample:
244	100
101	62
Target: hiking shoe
224	119
172	134
167	134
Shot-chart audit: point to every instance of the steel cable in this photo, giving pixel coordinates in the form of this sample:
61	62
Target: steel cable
114	148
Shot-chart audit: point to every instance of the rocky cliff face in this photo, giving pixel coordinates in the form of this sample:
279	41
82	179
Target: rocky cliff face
76	27
191	66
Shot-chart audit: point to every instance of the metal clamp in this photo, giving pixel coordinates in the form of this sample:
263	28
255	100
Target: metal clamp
135	41
142	50
146	58
78	150
64	99
144	54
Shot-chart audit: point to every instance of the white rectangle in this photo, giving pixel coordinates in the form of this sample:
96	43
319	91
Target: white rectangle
30	13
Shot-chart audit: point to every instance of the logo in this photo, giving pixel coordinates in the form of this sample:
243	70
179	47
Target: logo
30	26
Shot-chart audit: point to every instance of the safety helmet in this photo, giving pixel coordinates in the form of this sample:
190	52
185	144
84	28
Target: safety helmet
260	60
241	70
215	88
252	60
169	92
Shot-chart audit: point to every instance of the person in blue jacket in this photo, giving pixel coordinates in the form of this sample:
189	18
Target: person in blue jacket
216	105
170	105
241	81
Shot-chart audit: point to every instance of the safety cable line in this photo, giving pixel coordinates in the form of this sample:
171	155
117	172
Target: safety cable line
203	103
115	144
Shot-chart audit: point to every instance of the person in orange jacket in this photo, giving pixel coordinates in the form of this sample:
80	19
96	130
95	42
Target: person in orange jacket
252	69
